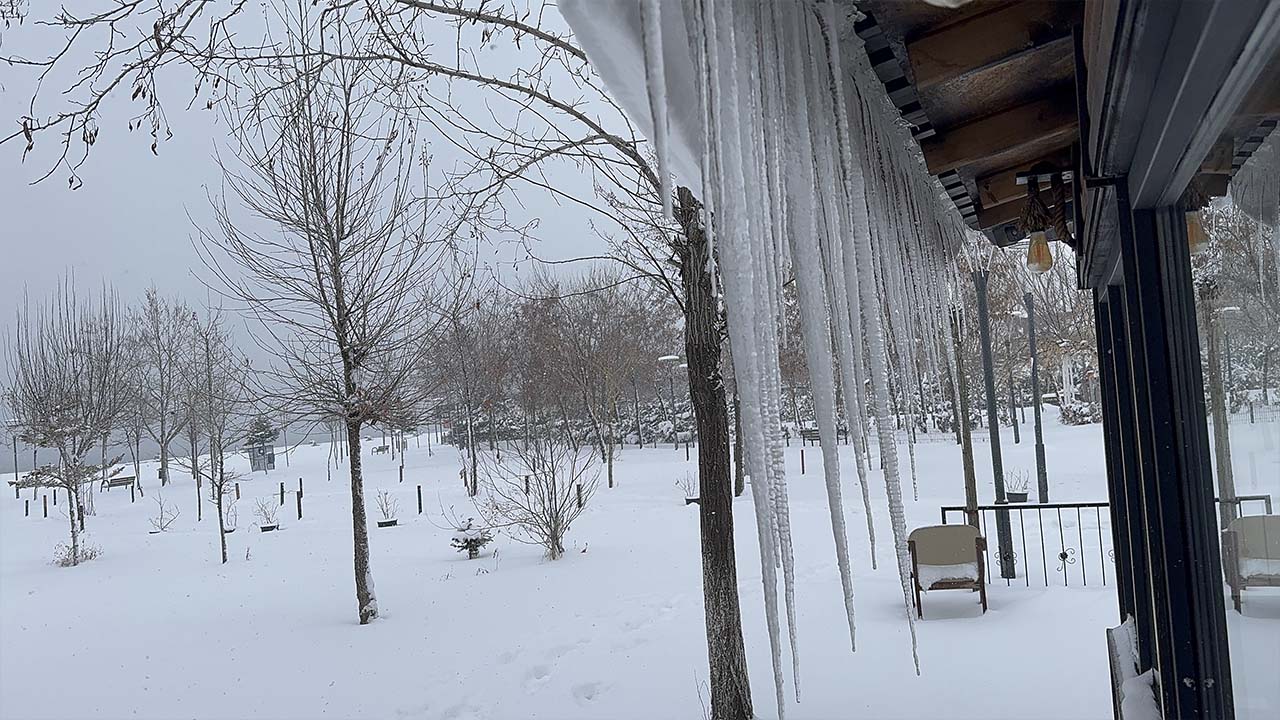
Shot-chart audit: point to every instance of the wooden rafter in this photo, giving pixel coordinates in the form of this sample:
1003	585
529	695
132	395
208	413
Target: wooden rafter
983	39
1051	119
1002	187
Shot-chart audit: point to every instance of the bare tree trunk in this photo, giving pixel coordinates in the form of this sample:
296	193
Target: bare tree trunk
164	452
1218	410
218	489
366	601
730	684
739	462
962	425
635	394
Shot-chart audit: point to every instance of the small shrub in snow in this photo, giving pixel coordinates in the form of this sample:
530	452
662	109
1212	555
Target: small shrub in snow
1018	482
688	485
266	509
165	514
388	506
470	538
64	556
538	489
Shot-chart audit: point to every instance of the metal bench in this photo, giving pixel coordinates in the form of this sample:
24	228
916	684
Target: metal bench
382	450
122	481
809	435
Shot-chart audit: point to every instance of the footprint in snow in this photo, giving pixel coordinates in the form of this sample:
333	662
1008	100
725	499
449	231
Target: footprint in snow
536	677
586	693
462	711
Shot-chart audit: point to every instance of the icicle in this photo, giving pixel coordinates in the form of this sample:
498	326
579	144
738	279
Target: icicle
656	82
737	274
879	400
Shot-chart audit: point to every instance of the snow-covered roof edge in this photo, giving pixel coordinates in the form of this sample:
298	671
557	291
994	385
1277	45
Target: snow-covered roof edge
610	33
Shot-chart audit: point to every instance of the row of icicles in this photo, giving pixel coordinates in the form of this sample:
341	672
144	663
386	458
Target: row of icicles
810	176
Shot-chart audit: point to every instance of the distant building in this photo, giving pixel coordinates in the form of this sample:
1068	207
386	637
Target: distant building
261	457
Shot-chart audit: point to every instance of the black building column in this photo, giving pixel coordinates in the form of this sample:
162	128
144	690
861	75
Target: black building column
1187	622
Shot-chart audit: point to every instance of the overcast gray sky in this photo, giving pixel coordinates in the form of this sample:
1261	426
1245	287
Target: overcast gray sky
131	222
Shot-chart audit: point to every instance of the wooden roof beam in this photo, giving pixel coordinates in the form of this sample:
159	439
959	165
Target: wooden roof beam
1050	119
983	39
1002	187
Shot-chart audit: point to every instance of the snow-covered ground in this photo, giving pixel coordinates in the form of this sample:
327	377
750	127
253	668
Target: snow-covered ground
156	628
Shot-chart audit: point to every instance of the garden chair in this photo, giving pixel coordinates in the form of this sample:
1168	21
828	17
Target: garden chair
947	557
1251	554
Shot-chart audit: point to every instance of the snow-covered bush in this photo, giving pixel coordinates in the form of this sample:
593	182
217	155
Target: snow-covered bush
1080	413
65	556
470	538
538	489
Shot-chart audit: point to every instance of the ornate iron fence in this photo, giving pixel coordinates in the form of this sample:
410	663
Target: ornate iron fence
1061	543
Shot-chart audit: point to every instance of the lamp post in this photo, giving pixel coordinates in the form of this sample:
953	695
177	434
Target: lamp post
1003	531
674	362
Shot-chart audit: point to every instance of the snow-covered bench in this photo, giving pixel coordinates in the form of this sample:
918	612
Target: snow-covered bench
381	449
947	557
1251	551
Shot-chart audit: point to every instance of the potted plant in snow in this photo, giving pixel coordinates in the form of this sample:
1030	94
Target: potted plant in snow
690	488
470	538
389	507
265	509
1015	488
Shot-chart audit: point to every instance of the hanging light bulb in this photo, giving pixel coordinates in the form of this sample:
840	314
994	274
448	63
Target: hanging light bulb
1035	220
1039	259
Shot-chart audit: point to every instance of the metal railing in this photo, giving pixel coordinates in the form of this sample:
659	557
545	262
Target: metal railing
1060	543
1066	539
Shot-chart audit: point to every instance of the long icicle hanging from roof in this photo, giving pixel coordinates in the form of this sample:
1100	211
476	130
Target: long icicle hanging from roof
808	176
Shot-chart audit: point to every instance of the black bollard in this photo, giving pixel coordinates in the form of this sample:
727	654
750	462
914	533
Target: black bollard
419	499
802	461
281	492
55	497
46	505
26	508
131	492
299	504
237	491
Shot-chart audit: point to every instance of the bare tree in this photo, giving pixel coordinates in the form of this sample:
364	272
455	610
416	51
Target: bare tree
163	331
222	414
339	289
65	389
471	359
602	344
538	490
550	108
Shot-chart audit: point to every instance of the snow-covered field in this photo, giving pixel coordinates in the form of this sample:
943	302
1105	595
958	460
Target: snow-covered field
156	628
